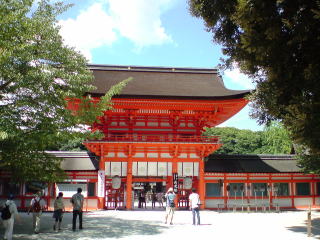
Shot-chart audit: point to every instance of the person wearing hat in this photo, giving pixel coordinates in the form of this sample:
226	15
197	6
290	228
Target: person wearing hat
170	197
8	223
37	205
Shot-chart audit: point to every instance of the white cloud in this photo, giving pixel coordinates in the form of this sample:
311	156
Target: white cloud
91	29
139	20
239	79
105	21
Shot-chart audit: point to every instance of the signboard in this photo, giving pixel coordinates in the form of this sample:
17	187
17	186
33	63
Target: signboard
101	183
175	182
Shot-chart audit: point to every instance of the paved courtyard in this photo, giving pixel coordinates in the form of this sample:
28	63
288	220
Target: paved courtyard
149	225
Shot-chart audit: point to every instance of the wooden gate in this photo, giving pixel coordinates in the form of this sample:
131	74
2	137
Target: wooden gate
115	198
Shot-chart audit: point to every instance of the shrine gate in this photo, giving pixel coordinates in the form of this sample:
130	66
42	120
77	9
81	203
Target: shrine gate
154	131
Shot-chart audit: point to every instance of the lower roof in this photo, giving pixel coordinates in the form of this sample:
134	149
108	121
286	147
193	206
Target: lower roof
77	161
86	161
252	163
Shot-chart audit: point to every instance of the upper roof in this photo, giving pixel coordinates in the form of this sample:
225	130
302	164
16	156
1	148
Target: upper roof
251	163
163	82
77	161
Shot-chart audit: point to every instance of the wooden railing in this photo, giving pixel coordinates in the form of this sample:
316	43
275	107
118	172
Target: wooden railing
162	138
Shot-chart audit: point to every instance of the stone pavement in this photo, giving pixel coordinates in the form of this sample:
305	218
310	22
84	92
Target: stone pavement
148	225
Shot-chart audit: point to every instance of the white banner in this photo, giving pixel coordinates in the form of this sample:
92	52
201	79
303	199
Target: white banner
101	183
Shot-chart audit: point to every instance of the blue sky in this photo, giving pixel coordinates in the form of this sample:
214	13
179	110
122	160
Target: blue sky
148	33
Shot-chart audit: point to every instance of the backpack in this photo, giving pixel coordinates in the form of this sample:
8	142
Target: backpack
36	206
171	200
5	213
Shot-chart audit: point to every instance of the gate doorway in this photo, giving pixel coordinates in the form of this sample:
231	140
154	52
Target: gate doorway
148	194
115	198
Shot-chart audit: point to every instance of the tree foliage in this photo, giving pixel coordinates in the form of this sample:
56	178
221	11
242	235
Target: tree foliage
236	141
277	139
37	74
276	42
274	139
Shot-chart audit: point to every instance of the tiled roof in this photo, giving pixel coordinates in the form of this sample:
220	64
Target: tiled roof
162	82
78	161
251	163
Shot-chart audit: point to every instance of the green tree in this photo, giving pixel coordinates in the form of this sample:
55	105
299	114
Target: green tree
237	141
276	139
276	43
38	73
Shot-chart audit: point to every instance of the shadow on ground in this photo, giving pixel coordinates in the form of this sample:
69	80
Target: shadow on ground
95	227
315	223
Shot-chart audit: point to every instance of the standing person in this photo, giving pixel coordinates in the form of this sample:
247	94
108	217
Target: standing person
153	199
160	198
194	202
170	196
37	205
58	211
9	213
77	203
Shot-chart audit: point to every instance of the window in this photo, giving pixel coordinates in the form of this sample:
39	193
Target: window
259	189
10	188
213	190
318	188
91	189
281	189
236	190
69	189
303	189
34	187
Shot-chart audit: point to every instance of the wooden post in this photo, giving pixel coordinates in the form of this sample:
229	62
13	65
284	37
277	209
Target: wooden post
309	222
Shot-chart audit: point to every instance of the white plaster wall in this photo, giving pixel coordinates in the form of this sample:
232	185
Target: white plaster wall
302	201
139	155
90	203
110	154
196	169
120	154
152	155
165	155
213	203
152	169
283	202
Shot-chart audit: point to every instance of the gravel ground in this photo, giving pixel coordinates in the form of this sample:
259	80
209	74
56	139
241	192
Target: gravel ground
148	225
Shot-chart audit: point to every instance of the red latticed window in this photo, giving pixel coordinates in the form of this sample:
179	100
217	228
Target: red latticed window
161	138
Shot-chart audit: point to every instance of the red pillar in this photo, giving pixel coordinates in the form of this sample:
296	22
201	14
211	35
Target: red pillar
129	181
201	184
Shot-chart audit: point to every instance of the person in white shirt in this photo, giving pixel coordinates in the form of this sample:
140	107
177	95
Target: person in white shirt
8	223
37	205
194	202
